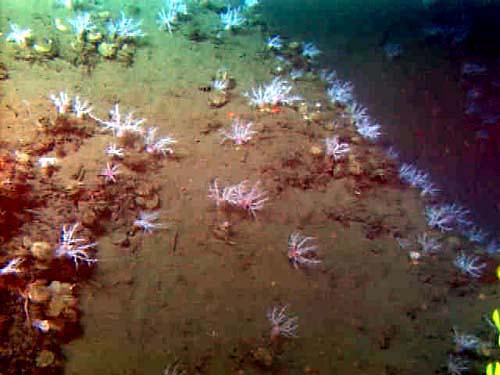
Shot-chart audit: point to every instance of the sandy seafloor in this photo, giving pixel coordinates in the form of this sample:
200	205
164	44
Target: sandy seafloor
366	310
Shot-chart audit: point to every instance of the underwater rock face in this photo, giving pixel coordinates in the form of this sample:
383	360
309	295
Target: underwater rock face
38	292
218	99
45	358
107	50
41	250
263	357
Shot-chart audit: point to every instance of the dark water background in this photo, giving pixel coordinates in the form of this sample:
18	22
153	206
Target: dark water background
420	97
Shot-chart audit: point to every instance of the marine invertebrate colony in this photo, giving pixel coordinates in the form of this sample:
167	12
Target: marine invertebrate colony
220	195
125	28
271	94
113	151
416	178
299	253
42	325
173	369
475	234
328	76
251	3
81	108
220	85
250	199
232	18
392	153
446	217
309	50
340	92
73	247
46	162
81	24
110	172
368	129
146	221
157	146
120	127
167	18
492	247
465	342
281	324
12	266
19	36
336	149
428	244
274	42
457	365
356	112
61	102
240	132
469	265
